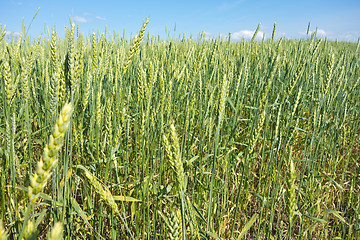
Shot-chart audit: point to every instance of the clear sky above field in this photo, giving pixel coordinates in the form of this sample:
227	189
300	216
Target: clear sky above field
333	19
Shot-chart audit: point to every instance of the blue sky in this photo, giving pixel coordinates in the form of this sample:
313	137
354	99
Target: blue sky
334	19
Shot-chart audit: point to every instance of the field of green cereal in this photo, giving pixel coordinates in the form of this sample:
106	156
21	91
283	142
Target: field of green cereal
185	138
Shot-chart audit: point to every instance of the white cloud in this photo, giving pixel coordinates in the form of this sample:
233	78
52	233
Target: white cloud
321	33
351	36
80	19
101	18
17	3
208	35
229	5
246	34
222	36
15	34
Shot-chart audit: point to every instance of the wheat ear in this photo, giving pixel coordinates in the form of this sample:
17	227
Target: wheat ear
135	45
173	151
30	231
173	222
175	225
49	159
8	82
273	33
53	51
101	189
292	206
56	232
3	233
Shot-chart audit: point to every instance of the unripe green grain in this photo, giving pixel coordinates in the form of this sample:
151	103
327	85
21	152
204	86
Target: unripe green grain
54	87
2	32
256	32
99	106
61	87
94	58
56	232
101	189
108	119
162	90
3	232
223	96
8	82
330	70
277	127
173	151
273	33
53	51
291	198
79	63
297	100
49	159
135	45
30	231
175	225
85	98
141	82
70	65
169	96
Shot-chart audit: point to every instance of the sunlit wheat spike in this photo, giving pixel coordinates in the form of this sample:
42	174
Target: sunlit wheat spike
17	48
87	90
277	127
273	33
54	87
3	232
2	32
12	145
49	159
57	232
174	224
297	100
70	61
101	189
257	130
256	32
177	162
8	82
61	85
94	59
173	151
79	63
25	86
330	69
30	231
172	219
193	219
53	51
99	105
292	206
223	96
108	119
135	45
308	29
8	139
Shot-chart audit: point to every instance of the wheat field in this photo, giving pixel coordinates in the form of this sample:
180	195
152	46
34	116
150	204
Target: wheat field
102	137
